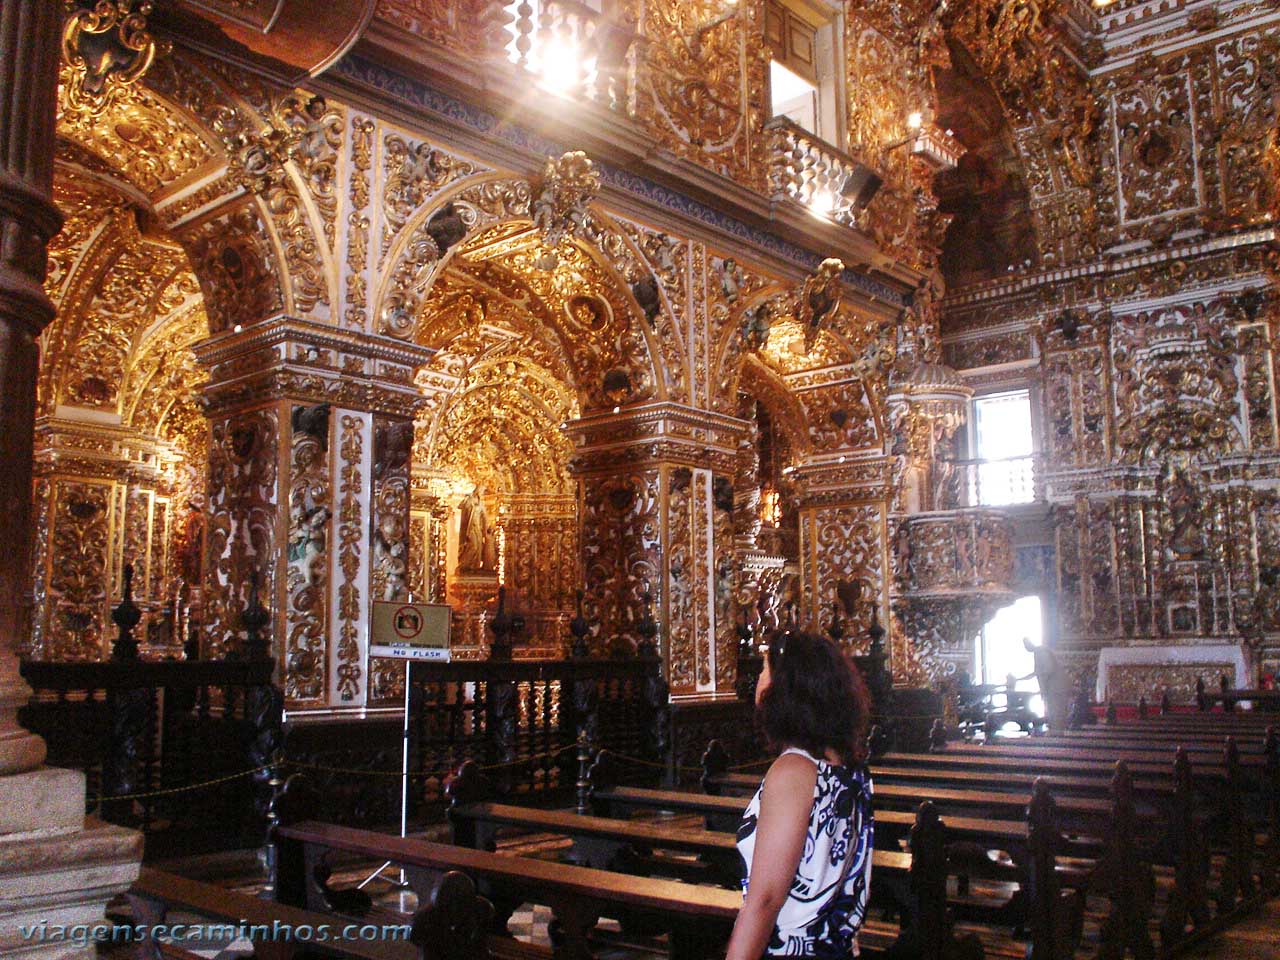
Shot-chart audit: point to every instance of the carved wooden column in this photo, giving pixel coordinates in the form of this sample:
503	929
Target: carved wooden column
45	843
656	494
843	542
311	434
29	33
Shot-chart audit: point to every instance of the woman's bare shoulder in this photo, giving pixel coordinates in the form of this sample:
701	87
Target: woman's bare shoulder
791	771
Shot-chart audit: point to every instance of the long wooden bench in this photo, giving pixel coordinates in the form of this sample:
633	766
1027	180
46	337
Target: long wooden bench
1077	814
630	846
696	919
1121	738
1005	747
900	768
275	929
1181	840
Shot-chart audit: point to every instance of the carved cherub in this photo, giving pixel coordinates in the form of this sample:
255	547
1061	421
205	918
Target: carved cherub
730	279
313	141
569	184
757	322
307	536
819	299
389	557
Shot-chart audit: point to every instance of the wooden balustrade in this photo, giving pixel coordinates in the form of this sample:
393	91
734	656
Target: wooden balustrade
573	50
138	728
813	173
152	736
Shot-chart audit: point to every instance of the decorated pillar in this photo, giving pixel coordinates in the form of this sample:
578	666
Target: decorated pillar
655	486
106	497
844	562
311	435
29	31
45	843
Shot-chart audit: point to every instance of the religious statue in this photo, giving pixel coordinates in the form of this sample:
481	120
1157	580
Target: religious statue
1187	539
819	299
477	547
756	324
730	279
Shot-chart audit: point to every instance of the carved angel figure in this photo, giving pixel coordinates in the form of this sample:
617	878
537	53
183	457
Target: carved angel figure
819	299
569	184
730	279
307	537
389	558
756	324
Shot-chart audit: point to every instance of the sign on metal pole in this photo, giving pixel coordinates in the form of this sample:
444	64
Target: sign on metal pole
410	631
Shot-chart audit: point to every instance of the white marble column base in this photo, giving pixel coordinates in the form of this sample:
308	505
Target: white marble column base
44	802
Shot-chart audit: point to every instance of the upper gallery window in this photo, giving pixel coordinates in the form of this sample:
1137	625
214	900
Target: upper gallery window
1002	442
554	42
803	66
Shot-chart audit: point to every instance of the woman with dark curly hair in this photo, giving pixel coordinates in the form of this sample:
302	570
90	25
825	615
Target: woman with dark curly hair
806	837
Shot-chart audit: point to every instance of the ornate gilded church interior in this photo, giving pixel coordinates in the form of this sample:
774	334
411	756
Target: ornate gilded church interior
613	338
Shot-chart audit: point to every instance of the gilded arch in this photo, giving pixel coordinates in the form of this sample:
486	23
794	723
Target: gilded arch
469	210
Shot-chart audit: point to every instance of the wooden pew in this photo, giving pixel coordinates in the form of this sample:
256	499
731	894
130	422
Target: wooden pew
1149	738
1124	873
1000	765
155	894
1079	814
696	918
613	842
901	769
1008	747
992	846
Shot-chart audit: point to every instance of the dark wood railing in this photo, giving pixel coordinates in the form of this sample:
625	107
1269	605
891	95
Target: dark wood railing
519	719
139	728
153	737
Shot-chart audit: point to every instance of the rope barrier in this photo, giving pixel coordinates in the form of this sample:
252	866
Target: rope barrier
652	763
172	790
352	771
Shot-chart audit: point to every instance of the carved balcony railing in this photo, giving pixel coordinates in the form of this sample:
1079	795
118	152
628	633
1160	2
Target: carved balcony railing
144	733
815	174
956	552
1001	482
572	49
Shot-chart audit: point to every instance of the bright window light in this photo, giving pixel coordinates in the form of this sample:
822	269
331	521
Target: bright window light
793	96
556	59
1002	434
1001	651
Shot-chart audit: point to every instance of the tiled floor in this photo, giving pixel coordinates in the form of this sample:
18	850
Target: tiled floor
1256	938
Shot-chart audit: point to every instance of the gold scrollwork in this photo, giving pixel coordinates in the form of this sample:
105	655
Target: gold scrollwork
109	49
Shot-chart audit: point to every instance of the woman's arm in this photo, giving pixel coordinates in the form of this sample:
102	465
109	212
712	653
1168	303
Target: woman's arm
785	806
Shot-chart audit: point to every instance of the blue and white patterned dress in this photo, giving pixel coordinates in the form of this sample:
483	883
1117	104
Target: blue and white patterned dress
817	920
